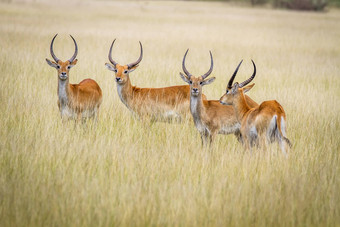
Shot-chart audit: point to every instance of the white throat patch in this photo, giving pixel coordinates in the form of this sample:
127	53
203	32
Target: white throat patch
62	93
194	111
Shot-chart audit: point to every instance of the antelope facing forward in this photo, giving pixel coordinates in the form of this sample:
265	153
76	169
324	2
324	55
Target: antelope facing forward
167	103
76	101
210	117
261	124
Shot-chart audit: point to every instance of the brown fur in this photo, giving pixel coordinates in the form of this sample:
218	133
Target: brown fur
258	117
153	102
210	117
85	96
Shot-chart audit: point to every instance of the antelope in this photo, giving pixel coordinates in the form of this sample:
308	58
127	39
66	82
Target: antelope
210	117
167	103
261	124
75	101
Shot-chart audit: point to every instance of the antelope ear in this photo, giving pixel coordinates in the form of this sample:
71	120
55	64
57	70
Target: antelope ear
235	88
51	63
133	68
74	62
184	77
110	67
208	81
247	88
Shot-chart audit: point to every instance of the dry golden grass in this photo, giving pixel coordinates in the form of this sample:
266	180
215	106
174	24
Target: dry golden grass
126	172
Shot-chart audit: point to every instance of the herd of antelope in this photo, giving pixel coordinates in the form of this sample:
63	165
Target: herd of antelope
235	112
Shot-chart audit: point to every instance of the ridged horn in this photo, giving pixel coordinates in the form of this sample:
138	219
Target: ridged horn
75	50
139	59
244	83
183	65
230	83
110	54
211	67
51	50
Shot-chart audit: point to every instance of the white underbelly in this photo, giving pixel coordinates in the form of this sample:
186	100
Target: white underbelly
167	116
229	130
66	112
69	113
171	114
200	127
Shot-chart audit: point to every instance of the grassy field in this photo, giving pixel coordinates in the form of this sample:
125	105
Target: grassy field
125	172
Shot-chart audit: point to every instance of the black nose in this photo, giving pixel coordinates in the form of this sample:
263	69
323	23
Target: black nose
63	73
195	89
117	79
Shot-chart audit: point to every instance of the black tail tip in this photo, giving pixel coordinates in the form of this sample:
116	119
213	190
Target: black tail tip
288	142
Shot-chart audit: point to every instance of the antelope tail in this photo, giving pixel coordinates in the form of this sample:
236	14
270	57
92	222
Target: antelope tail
282	134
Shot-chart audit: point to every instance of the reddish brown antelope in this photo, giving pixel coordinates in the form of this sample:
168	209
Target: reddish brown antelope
161	104
210	117
261	124
76	101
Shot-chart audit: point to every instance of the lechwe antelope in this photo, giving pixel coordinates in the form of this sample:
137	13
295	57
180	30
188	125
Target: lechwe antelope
160	104
261	124
210	117
76	101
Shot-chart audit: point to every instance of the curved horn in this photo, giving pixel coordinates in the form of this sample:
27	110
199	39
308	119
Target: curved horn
51	50
139	59
183	65
244	83
211	67
110	54
230	83
75	51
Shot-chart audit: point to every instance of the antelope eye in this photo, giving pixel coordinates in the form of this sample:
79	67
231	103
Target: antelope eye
190	82
58	66
68	67
126	71
201	82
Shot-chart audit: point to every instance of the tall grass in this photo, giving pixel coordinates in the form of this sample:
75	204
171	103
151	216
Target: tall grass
127	172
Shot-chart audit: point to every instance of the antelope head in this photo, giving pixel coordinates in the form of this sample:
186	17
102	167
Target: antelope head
234	90
63	68
196	83
122	71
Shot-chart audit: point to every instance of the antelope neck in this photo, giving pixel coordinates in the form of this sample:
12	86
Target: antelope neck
125	92
63	86
241	107
196	105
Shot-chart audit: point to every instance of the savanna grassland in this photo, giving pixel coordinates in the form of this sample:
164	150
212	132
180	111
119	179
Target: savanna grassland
126	172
